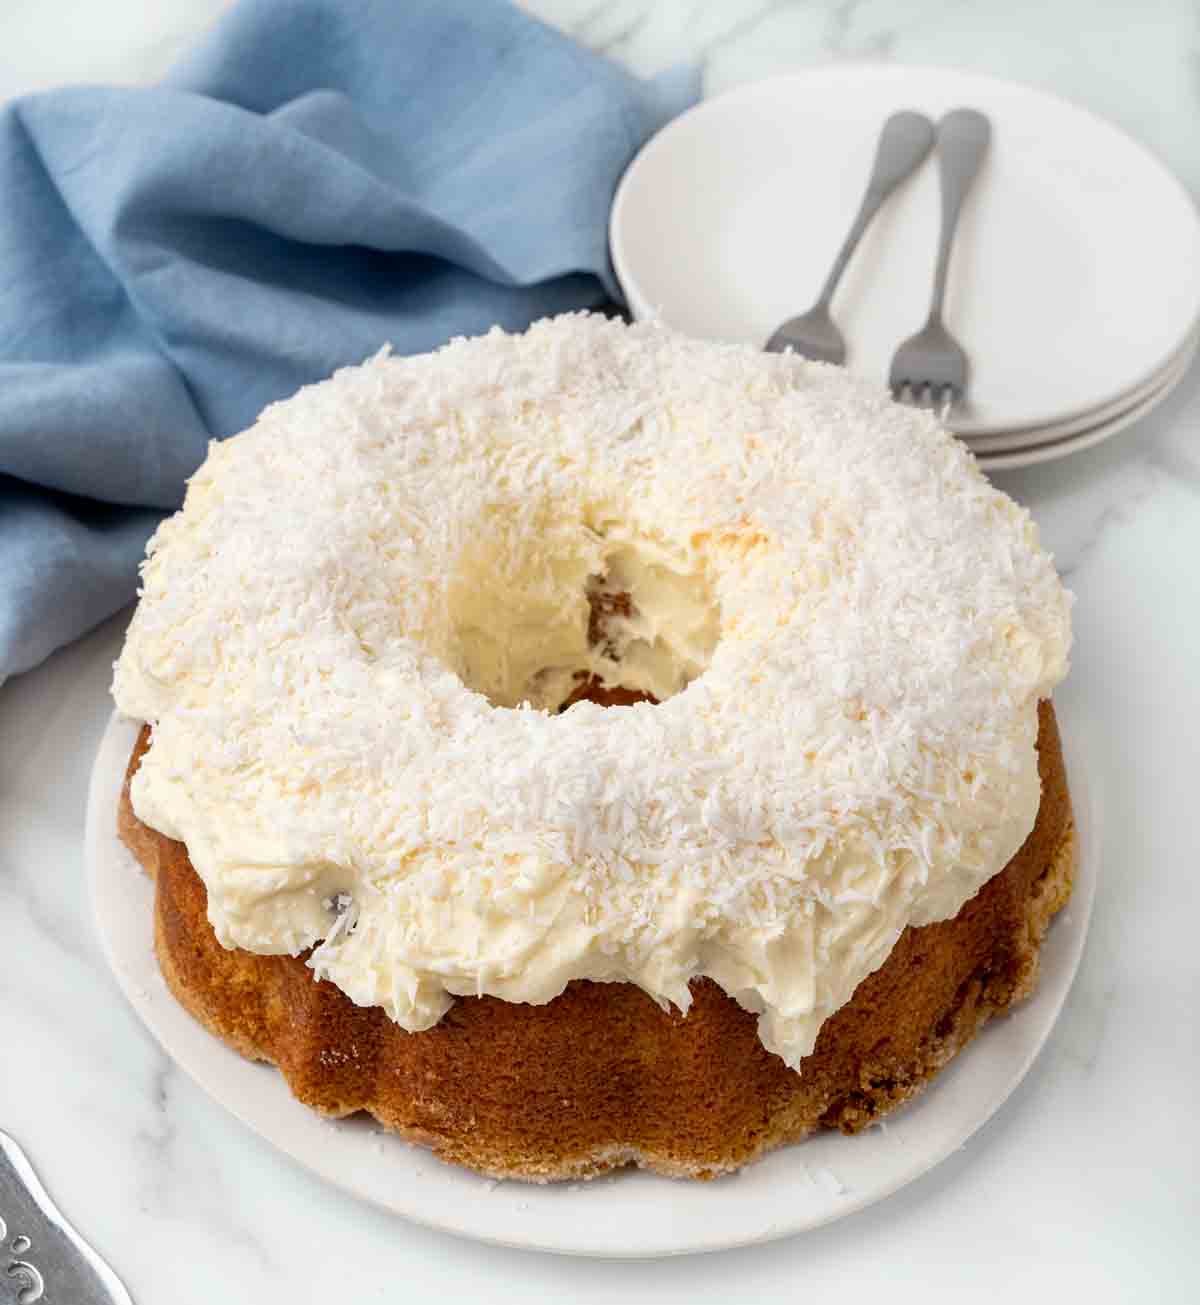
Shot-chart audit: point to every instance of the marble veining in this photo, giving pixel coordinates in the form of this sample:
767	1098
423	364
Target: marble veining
154	1138
1082	1186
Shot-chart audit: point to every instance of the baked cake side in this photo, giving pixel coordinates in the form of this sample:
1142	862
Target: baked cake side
601	1076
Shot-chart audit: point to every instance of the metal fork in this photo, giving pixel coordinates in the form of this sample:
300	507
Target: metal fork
930	369
904	144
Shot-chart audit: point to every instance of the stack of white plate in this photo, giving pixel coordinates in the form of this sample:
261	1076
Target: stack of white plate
1075	281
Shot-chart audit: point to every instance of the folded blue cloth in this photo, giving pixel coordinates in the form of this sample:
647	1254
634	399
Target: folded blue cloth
319	178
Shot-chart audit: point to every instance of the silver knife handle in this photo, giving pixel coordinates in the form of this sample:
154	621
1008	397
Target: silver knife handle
42	1258
904	144
963	137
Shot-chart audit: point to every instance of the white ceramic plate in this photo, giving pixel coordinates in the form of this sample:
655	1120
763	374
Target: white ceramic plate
1158	387
1076	274
1052	449
627	1214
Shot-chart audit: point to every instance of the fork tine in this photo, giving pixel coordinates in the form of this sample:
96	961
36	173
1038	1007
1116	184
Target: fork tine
926	395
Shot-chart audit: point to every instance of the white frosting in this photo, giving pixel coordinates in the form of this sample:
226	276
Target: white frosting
850	629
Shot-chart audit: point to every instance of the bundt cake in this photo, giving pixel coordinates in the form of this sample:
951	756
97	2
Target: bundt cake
595	746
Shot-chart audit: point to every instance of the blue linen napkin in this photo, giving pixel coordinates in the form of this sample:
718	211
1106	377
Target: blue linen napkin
319	178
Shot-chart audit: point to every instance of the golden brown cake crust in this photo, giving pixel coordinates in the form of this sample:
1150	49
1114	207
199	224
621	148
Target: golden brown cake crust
601	1076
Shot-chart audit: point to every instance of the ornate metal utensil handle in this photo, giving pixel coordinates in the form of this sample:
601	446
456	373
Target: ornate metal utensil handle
42	1258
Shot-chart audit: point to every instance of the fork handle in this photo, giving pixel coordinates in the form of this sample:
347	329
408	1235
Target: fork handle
962	141
904	144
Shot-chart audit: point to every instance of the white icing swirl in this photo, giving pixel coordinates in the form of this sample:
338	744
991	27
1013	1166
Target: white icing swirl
850	627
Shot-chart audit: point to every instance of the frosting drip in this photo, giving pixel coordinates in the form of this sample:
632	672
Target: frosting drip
353	640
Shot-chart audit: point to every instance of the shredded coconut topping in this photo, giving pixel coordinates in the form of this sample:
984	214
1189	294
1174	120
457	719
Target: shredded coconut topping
353	639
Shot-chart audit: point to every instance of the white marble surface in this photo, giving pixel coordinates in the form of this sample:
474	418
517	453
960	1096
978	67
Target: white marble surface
1086	1186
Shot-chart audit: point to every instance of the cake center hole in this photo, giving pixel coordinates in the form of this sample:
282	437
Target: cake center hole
605	605
603	615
